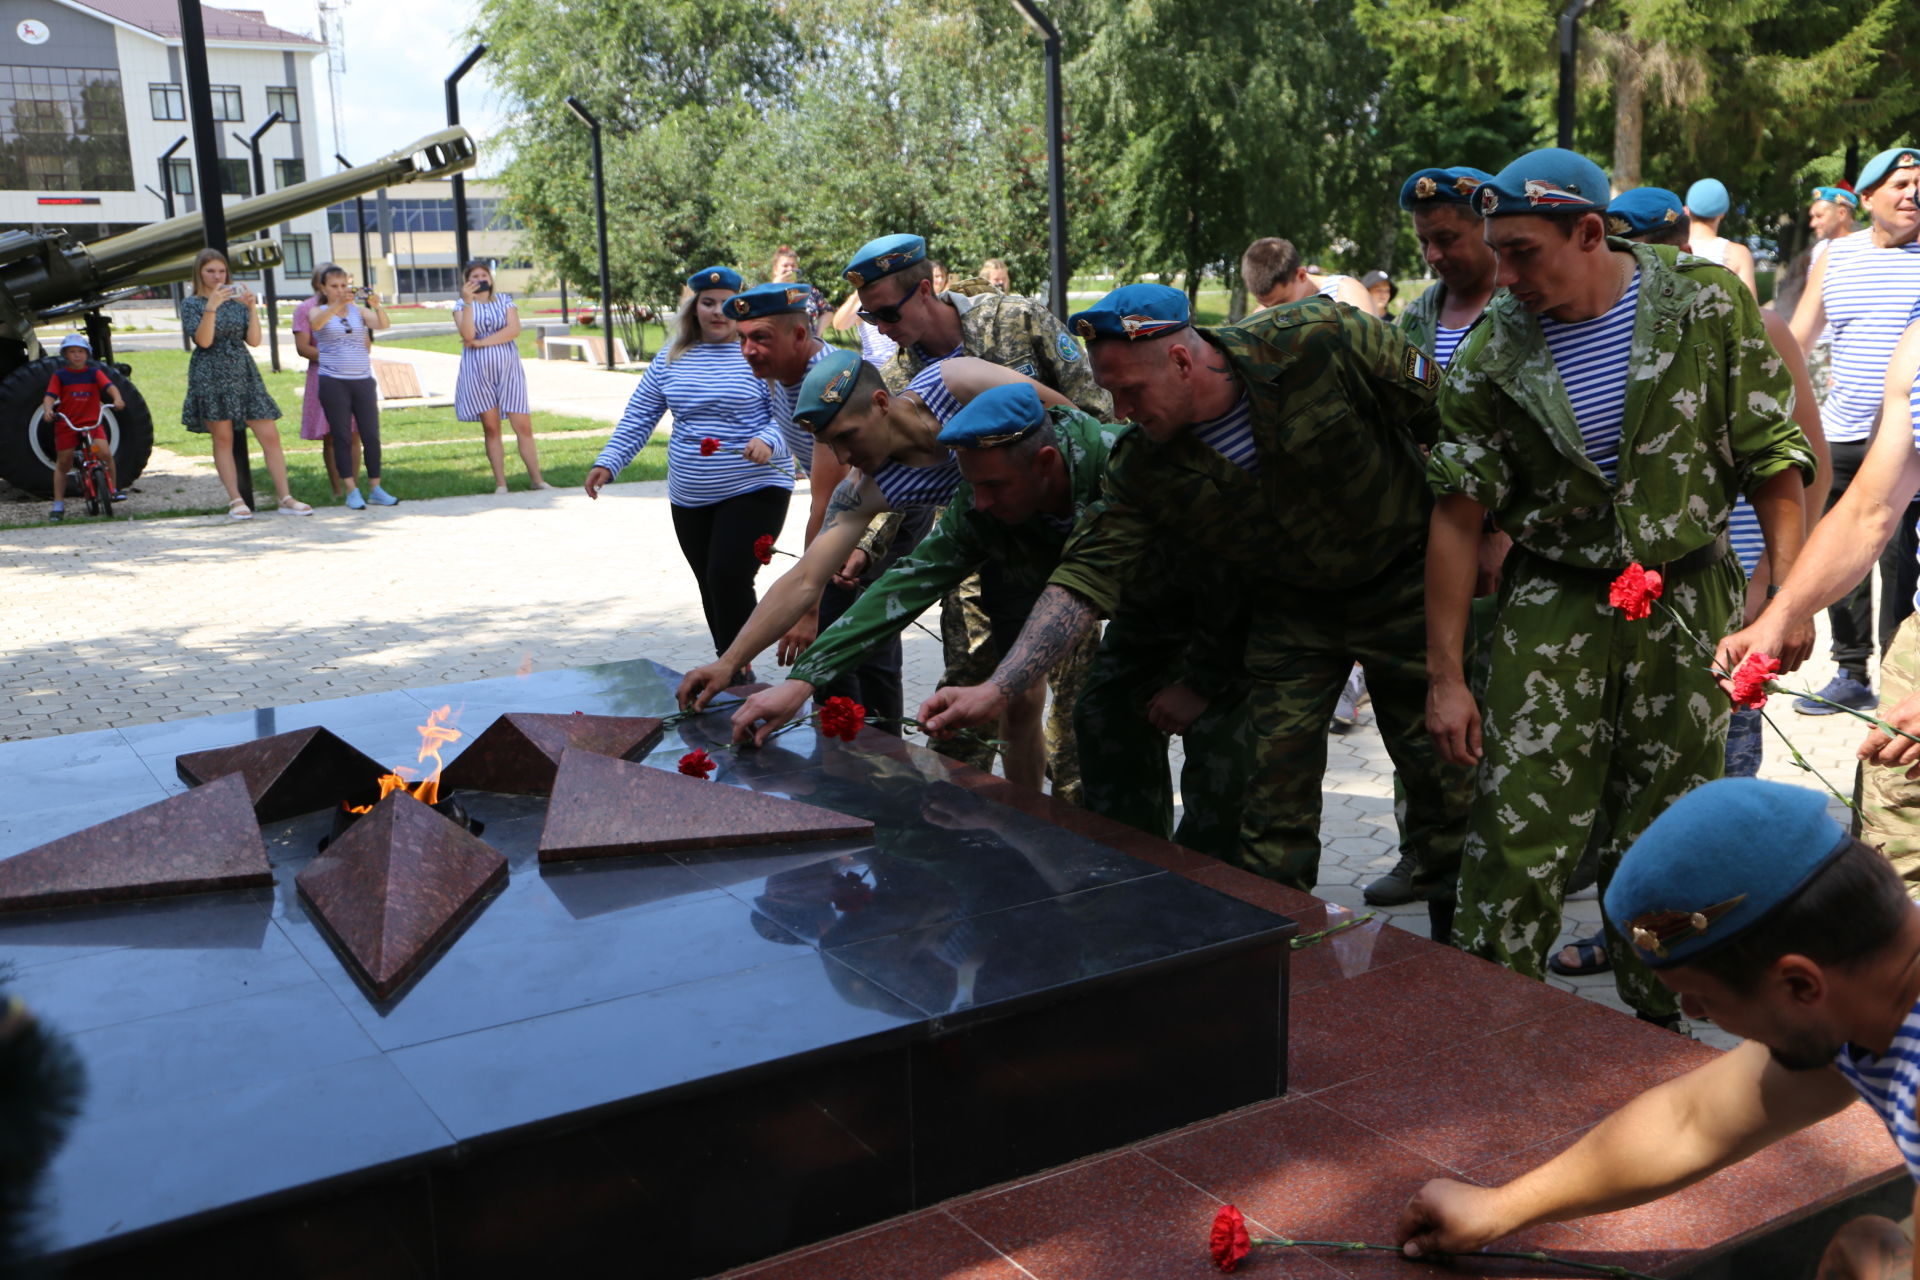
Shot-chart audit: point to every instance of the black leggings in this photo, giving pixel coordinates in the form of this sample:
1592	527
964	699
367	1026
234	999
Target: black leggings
717	541
350	403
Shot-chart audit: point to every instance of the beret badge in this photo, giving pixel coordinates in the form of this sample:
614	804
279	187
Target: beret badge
741	306
1489	199
1540	191
794	295
1085	329
1617	225
1654	931
1425	189
1465	183
836	390
713	277
1669	216
1907	160
857	280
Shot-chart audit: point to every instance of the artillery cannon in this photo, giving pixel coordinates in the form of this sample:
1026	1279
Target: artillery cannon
51	275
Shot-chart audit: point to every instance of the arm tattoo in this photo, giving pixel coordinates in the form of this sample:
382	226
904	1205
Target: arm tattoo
846	497
1059	621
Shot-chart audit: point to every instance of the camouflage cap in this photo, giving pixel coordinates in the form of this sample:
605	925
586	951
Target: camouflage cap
1643	210
1885	163
1717	862
827	388
877	259
714	278
769	300
1430	187
1550	180
1133	312
999	415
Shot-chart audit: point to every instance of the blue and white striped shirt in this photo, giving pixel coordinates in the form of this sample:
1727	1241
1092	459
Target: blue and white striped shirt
799	439
1868	294
712	393
876	348
1591	358
932	486
342	344
1231	436
1447	341
1743	530
1887	1084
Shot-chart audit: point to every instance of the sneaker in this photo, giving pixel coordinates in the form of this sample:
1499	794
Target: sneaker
119	497
58	513
1349	705
1394	889
355	502
294	507
381	498
1842	689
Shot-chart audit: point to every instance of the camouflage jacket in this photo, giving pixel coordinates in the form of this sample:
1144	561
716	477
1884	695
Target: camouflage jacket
1707	417
1419	318
1341	405
960	542
1019	334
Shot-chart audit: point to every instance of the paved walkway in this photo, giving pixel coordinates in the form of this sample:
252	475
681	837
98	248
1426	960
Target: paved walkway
123	624
553	386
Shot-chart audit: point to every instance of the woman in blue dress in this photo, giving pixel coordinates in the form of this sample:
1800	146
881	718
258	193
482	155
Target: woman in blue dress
492	383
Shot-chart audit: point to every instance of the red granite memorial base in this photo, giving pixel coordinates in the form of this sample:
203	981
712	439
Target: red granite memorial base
290	773
603	808
203	840
398	884
519	753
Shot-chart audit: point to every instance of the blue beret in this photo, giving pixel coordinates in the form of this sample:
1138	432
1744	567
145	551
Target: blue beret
1133	311
1720	860
1441	186
1885	163
1708	198
1546	181
827	387
877	259
1838	195
769	300
999	415
714	278
1643	209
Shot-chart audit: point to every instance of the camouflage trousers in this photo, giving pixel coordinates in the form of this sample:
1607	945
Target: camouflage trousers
1123	758
1889	803
1593	725
1299	655
971	654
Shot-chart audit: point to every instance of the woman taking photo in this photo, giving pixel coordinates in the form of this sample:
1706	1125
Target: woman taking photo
339	340
728	477
492	382
313	420
223	384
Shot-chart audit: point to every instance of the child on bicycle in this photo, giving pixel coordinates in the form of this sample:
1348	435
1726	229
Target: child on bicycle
75	389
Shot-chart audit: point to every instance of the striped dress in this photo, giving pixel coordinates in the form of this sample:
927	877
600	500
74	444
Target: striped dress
1868	294
490	377
712	394
1590	357
1887	1083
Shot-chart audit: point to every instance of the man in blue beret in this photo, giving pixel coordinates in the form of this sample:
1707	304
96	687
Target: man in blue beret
1287	450
1859	292
1761	914
1608	411
1706	207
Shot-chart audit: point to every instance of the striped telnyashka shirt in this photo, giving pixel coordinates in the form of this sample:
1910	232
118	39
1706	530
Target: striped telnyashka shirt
932	486
1591	358
1231	436
1868	294
1887	1083
713	394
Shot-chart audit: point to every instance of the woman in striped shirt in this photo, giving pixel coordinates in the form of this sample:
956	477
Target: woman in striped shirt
339	340
725	495
492	382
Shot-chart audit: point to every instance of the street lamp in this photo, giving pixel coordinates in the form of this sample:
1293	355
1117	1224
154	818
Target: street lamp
459	180
166	202
1569	56
585	117
1056	162
360	217
260	188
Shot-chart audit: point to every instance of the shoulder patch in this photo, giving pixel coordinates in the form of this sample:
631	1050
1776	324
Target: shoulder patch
1422	370
1068	348
1026	368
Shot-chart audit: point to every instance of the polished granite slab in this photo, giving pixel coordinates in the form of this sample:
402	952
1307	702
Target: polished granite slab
825	1031
519	753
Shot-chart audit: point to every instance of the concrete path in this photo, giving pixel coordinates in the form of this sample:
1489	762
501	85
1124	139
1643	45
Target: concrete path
123	624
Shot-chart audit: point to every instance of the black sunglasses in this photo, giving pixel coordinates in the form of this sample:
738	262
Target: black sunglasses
886	315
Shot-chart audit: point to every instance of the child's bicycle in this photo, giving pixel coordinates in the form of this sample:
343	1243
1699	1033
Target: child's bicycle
90	465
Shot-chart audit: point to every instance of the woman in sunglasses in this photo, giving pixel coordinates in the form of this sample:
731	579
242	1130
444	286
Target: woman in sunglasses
340	339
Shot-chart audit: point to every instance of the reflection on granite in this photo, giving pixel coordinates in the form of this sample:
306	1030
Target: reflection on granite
603	807
203	840
395	886
290	773
519	752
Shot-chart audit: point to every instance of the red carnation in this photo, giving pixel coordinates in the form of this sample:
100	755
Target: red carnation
709	446
1750	680
763	548
697	763
1635	590
1230	1241
842	718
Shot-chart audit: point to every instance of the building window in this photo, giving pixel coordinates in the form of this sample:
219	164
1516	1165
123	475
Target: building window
169	103
289	173
63	129
344	218
236	178
299	256
418	280
181	172
226	102
285	100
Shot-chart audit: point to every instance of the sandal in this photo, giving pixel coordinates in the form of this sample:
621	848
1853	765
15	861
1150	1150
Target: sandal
239	510
294	507
1590	957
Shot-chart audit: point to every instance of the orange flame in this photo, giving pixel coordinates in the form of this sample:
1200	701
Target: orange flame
434	734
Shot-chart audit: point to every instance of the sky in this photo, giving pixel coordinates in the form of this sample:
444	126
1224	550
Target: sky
399	53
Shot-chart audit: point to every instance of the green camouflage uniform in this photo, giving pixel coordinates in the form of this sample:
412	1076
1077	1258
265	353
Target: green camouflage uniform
1594	724
1016	333
1889	801
1419	319
1326	544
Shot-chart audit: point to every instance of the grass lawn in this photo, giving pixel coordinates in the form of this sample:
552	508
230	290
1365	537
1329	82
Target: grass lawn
428	453
529	342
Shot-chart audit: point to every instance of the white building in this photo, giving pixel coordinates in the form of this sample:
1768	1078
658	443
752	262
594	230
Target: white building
92	92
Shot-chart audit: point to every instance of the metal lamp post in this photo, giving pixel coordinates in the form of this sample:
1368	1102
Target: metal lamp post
459	180
360	217
260	188
585	116
166	202
1056	161
1569	57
